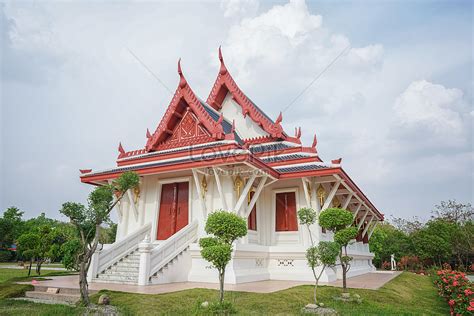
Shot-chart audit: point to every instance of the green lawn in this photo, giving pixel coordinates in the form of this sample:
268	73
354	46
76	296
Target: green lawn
408	294
6	274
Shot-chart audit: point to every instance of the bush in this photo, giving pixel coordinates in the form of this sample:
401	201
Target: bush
386	265
5	255
456	289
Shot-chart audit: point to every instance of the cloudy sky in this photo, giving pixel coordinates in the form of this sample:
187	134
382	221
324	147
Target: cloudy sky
397	104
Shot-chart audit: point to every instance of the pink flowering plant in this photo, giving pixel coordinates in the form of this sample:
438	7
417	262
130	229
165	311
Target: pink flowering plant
457	290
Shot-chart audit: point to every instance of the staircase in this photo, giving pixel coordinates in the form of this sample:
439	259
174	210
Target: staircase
169	261
174	270
124	271
43	294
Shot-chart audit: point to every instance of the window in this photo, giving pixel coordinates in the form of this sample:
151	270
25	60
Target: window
286	212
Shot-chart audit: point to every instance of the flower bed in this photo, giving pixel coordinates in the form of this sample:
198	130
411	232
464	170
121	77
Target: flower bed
457	290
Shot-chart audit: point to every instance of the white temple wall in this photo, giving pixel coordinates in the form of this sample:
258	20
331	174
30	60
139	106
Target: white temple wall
245	126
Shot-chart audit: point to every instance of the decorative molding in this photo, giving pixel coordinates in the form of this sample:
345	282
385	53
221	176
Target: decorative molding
285	262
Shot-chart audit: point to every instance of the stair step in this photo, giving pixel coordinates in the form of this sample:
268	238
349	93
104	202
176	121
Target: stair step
97	280
70	298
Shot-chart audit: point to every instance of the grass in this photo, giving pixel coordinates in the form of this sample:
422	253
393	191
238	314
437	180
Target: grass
21	308
7	274
408	294
9	289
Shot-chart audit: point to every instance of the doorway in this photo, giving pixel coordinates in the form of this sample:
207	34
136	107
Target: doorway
173	212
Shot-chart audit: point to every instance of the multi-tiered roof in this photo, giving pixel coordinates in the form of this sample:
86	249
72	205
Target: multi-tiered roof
193	134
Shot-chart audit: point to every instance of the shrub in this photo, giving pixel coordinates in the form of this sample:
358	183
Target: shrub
456	289
386	265
5	255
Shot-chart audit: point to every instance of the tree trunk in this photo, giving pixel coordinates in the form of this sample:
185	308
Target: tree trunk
344	281
29	269
38	267
221	285
83	285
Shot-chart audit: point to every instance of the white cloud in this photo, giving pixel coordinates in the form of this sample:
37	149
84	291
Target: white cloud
433	106
233	8
89	92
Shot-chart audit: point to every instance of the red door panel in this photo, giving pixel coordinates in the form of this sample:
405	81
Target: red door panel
166	222
286	212
183	201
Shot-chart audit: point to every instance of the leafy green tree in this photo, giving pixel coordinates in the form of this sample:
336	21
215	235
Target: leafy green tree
387	240
11	226
88	221
338	221
225	228
28	247
322	255
71	250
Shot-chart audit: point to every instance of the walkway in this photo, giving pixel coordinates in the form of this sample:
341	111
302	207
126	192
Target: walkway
372	281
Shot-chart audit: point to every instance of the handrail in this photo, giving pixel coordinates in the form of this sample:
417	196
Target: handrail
173	246
118	250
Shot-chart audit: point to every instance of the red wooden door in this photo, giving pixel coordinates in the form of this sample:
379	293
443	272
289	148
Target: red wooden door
166	220
173	209
183	201
252	219
286	212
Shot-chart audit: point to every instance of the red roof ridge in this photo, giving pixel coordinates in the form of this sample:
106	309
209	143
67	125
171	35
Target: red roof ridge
184	91
216	96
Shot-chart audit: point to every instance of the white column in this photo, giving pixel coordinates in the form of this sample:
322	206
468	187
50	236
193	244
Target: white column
93	266
144	249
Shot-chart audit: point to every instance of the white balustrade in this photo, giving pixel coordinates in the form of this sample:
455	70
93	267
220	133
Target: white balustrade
173	246
121	248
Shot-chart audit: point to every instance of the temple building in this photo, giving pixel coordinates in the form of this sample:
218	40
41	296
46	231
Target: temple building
225	153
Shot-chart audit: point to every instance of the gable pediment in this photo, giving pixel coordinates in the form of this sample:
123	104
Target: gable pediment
187	131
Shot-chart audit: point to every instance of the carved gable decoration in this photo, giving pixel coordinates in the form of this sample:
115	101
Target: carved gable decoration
187	132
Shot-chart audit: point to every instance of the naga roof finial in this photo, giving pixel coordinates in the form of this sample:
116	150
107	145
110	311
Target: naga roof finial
182	80
221	118
223	69
298	133
120	148
279	118
233	127
315	141
148	134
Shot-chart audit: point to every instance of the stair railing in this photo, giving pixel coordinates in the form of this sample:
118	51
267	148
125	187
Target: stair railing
120	249
171	247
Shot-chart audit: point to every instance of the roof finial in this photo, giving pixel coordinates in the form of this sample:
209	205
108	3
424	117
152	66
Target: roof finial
221	118
233	127
298	133
148	135
336	161
182	80
120	148
223	69
315	141
279	118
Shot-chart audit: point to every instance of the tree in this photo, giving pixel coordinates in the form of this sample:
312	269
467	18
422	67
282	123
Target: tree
225	228
338	221
28	245
11	226
322	255
387	240
88	221
452	211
